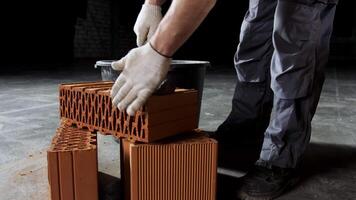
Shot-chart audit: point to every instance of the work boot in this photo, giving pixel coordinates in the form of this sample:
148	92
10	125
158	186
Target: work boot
266	182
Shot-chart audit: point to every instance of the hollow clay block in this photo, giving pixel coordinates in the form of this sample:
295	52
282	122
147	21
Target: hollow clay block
183	167
53	175
89	105
72	164
85	174
125	165
66	175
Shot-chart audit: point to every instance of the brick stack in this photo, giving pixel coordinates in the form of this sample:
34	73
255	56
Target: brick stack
157	164
72	164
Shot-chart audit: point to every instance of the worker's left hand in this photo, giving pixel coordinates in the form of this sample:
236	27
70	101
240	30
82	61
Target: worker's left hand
147	22
143	70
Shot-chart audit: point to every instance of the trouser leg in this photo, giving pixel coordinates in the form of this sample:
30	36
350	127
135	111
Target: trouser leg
327	18
253	97
301	39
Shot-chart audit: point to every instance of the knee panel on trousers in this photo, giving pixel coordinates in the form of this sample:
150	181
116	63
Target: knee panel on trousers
295	39
253	56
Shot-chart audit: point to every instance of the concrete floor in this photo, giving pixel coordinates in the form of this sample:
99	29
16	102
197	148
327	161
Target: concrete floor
29	117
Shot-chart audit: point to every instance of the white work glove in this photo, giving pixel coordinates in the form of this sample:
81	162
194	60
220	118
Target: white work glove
147	22
143	70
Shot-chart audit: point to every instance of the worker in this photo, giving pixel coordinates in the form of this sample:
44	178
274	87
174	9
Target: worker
283	49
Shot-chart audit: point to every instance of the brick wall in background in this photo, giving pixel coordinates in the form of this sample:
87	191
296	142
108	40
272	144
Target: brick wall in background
124	15
126	40
93	34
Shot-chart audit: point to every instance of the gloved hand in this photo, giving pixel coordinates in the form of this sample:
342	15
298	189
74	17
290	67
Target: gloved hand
143	70
147	22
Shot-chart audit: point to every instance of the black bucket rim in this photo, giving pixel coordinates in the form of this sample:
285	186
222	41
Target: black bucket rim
175	63
189	62
103	63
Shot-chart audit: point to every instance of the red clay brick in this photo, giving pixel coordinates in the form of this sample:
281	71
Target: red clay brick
53	175
84	164
66	175
89	105
183	167
72	164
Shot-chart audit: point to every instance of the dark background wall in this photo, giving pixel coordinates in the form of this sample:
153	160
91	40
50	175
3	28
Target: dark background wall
92	36
43	32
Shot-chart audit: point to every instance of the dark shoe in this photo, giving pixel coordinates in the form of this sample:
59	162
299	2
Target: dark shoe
266	183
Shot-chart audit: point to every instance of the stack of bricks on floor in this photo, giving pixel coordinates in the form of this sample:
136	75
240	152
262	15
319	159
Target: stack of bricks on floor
163	156
72	164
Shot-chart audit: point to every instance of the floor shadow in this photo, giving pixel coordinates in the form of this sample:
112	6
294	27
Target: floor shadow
324	158
226	187
109	187
234	160
319	160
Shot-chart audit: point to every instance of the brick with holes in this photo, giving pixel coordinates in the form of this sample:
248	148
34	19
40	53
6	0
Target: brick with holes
89	105
72	164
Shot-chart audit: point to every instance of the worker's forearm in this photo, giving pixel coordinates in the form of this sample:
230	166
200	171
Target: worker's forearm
155	2
181	20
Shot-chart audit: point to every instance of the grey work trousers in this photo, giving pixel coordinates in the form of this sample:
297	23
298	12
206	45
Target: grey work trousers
284	46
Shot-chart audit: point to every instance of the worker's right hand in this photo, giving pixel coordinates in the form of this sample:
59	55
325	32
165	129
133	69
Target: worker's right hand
147	22
143	70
